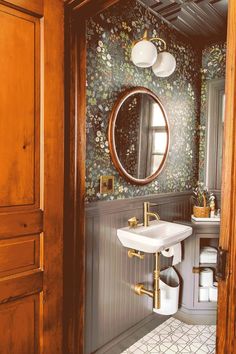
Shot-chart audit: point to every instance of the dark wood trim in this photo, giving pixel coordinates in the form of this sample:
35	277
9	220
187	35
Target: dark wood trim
74	251
226	339
75	156
201	22
53	75
80	182
89	8
111	135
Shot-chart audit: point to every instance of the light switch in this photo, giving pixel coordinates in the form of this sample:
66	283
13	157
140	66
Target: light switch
106	184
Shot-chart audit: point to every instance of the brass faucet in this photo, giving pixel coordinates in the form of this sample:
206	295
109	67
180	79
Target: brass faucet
147	214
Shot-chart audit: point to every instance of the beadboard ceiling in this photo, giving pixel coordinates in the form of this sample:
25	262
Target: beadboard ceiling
200	20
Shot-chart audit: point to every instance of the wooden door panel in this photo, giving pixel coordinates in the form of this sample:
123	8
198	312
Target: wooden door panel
21	220
19	326
19	285
20	223
19	254
19	111
31	175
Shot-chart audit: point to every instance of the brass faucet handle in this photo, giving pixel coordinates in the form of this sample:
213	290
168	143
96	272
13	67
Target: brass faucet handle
133	222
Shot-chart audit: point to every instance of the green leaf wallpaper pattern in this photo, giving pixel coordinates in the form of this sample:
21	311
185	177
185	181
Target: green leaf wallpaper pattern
213	67
110	71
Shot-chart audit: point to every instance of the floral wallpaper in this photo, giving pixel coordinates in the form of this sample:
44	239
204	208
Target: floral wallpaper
127	129
110	71
213	67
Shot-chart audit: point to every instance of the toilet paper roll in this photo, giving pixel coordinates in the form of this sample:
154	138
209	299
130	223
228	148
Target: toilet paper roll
169	252
203	294
206	277
175	252
213	293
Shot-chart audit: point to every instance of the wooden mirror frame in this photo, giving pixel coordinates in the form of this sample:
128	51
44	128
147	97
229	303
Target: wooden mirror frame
111	136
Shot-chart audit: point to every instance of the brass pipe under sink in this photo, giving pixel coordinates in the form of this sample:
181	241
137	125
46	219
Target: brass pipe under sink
155	294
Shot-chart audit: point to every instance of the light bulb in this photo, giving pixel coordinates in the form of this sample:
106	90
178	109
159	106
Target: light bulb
144	54
165	64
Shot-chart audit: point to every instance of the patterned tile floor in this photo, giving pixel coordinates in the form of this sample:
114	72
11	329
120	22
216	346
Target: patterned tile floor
174	336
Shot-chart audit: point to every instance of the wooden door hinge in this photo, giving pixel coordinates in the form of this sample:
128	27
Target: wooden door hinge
221	264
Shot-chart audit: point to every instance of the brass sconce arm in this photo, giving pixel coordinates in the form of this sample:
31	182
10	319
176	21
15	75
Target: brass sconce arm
152	39
157	39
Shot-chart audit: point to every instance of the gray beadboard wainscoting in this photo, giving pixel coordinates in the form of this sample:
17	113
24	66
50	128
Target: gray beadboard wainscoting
112	307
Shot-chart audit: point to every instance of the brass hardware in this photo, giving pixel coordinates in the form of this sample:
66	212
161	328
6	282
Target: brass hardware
152	39
133	253
156	288
133	222
221	264
107	184
196	270
140	290
156	293
147	214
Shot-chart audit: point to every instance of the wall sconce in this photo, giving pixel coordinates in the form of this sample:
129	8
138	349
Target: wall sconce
144	55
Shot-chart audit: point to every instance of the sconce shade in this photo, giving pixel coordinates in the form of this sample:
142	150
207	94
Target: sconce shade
144	54
165	64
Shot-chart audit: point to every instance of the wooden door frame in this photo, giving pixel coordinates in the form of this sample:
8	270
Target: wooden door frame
53	198
77	12
227	289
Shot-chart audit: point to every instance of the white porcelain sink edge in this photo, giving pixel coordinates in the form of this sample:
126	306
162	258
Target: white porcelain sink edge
154	238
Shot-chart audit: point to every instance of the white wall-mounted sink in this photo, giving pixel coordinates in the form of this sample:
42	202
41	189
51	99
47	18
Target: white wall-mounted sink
156	237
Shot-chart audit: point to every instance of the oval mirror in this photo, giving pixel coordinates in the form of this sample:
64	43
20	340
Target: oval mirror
138	135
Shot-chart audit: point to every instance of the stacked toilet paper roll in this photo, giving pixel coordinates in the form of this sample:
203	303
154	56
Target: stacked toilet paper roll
206	277
213	292
203	293
208	290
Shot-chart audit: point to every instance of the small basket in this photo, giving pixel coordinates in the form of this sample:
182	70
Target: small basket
201	212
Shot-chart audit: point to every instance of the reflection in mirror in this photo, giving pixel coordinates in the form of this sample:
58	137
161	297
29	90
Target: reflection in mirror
141	135
215	129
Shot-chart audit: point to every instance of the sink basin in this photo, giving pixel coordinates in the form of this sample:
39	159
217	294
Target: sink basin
156	237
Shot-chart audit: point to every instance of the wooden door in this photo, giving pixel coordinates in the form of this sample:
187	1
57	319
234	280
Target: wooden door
31	176
226	322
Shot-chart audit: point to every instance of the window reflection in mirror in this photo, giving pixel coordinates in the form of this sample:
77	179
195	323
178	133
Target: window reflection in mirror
141	135
215	132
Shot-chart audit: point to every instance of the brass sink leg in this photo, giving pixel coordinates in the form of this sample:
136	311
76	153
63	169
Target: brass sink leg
155	294
156	285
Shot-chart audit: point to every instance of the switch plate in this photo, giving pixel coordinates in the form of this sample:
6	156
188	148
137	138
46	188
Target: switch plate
107	184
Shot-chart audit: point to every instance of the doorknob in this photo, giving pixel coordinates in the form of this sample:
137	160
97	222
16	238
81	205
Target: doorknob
221	264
